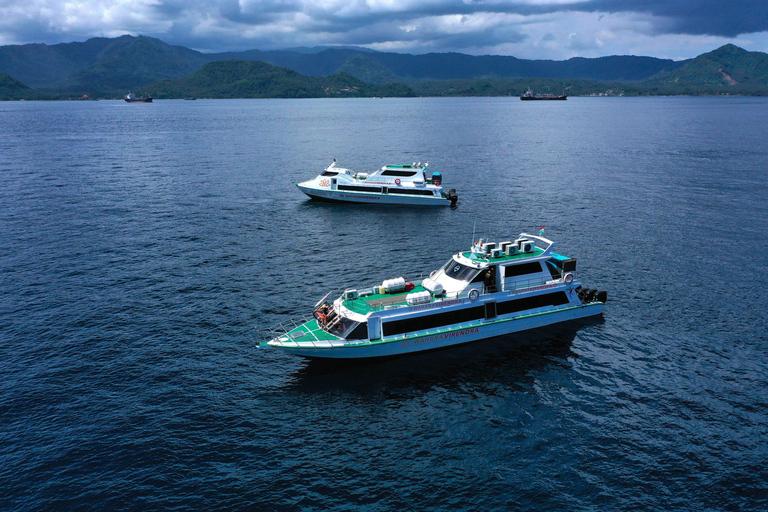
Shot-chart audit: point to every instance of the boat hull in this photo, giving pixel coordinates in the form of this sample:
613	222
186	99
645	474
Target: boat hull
138	100
338	196
440	338
543	98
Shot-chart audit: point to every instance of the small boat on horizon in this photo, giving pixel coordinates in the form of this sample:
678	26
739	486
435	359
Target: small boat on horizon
491	290
529	96
411	185
131	98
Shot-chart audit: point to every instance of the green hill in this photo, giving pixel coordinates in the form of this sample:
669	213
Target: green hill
249	79
729	69
44	66
368	70
516	87
143	60
99	66
102	66
12	89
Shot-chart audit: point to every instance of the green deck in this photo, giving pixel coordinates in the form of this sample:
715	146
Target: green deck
311	332
365	305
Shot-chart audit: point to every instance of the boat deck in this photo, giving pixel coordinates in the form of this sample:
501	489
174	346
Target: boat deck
310	331
377	301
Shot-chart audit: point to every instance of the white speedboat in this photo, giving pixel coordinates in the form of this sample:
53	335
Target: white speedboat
392	184
490	290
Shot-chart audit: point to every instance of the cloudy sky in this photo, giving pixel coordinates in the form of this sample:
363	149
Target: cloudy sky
550	29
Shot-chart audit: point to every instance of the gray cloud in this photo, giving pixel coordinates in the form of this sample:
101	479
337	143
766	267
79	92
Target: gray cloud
481	26
711	17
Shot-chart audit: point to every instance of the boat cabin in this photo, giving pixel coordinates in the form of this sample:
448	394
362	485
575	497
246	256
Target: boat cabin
392	175
489	268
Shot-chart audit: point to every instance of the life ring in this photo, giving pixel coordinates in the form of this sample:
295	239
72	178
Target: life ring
436	182
397	181
568	278
474	294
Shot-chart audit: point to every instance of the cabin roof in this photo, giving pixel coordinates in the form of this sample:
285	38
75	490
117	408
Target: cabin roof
503	258
370	303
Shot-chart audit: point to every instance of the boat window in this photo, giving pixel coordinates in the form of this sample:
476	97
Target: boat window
413	192
522	269
553	270
403	174
421	323
357	188
340	327
460	272
537	301
479	278
329	173
359	333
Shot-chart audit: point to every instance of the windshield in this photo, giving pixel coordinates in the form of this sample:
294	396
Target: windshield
459	272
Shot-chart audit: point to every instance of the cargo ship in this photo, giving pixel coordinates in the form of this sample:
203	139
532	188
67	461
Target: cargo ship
131	98
529	96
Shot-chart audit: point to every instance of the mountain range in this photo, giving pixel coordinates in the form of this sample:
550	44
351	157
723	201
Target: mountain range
110	67
255	79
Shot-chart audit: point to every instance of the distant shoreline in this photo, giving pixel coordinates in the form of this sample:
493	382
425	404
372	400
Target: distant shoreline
50	100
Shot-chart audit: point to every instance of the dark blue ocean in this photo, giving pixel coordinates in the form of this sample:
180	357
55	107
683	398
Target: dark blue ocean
142	246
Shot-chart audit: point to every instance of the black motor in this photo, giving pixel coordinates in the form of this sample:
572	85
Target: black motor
587	294
452	197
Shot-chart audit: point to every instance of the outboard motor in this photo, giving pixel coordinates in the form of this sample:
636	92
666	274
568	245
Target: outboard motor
452	197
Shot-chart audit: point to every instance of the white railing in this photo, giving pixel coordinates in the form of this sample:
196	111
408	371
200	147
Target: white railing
283	330
530	283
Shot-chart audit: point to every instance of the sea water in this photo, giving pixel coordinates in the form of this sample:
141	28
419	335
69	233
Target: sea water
143	246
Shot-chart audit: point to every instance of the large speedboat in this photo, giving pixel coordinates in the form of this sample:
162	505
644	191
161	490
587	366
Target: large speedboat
491	290
392	184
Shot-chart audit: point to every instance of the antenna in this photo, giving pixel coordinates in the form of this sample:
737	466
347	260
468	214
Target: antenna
473	233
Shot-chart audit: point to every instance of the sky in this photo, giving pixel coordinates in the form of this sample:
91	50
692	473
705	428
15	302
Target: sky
530	29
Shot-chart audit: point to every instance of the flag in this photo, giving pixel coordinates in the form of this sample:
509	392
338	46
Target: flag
541	230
